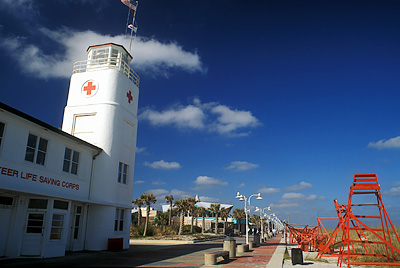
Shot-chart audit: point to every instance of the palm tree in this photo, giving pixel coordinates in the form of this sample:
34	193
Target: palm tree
224	216
182	205
169	199
215	208
192	210
161	219
238	214
139	202
148	199
202	212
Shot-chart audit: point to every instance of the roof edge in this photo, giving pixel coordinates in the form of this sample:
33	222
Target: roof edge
47	126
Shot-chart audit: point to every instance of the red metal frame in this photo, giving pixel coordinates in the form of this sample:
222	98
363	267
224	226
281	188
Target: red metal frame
365	239
304	236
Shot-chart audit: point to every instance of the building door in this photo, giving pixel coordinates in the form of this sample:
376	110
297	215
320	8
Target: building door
33	237
6	207
34	227
75	240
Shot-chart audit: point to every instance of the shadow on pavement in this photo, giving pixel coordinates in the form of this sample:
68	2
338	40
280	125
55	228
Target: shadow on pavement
136	255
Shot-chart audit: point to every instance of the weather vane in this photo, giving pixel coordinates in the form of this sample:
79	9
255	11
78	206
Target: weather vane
133	26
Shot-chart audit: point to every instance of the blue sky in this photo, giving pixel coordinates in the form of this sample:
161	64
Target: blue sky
286	98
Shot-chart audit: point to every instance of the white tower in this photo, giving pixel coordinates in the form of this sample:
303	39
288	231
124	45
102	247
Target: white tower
102	110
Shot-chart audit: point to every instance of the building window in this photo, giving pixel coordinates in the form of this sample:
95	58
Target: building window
35	223
2	125
57	226
36	149
6	200
58	204
71	161
78	215
122	171
119	220
37	203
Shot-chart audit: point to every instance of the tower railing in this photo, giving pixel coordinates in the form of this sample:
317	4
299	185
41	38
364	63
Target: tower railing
104	64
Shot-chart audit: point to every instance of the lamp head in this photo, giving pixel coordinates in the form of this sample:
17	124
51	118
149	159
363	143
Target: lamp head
238	195
257	209
269	208
241	198
259	196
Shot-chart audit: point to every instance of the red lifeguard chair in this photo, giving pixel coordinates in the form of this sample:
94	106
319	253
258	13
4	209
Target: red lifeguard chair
358	239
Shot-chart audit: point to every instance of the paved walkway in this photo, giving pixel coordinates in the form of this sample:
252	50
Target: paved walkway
160	255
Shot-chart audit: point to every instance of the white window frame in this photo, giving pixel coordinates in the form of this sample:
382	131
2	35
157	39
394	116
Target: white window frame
36	150
57	224
119	220
122	172
2	130
70	161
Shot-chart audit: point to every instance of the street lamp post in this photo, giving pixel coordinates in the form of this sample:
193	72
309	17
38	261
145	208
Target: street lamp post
261	219
243	198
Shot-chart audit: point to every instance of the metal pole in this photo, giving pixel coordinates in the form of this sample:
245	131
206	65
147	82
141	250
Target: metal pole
247	220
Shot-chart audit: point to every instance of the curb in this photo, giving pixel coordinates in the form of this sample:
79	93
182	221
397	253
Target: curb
277	258
177	242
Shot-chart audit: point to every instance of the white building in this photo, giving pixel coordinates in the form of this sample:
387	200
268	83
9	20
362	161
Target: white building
71	189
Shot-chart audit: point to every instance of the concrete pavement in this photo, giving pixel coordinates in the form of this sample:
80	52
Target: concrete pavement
163	254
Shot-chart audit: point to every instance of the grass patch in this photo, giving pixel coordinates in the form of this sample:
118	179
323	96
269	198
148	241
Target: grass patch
286	255
316	260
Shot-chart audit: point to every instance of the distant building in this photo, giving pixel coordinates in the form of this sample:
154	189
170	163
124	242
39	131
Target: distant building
71	189
209	219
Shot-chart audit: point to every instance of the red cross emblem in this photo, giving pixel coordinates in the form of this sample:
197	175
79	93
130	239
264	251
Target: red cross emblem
130	97
89	88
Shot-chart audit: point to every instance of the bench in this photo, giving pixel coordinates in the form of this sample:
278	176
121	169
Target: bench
242	248
252	245
211	258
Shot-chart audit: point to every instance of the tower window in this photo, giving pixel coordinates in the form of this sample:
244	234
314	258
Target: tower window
71	161
119	220
36	149
2	125
122	172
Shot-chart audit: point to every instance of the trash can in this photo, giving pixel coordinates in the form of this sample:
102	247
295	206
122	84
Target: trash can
297	256
230	245
256	240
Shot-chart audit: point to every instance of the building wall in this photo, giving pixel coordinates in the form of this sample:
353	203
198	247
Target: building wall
46	211
21	181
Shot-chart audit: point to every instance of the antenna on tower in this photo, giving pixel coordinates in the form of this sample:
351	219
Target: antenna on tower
133	26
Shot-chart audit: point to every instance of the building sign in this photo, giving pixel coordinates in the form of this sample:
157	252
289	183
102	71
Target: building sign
38	178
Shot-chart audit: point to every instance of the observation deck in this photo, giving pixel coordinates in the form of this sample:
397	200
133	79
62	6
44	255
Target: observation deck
114	63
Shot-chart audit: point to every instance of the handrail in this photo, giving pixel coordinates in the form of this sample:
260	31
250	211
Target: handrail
106	63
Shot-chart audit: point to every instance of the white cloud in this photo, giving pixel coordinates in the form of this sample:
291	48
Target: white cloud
266	190
182	117
241	185
241	165
181	194
163	165
230	120
19	7
158	182
150	55
285	205
297	187
393	143
158	192
140	150
138	181
209	199
212	117
209	181
395	191
299	196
